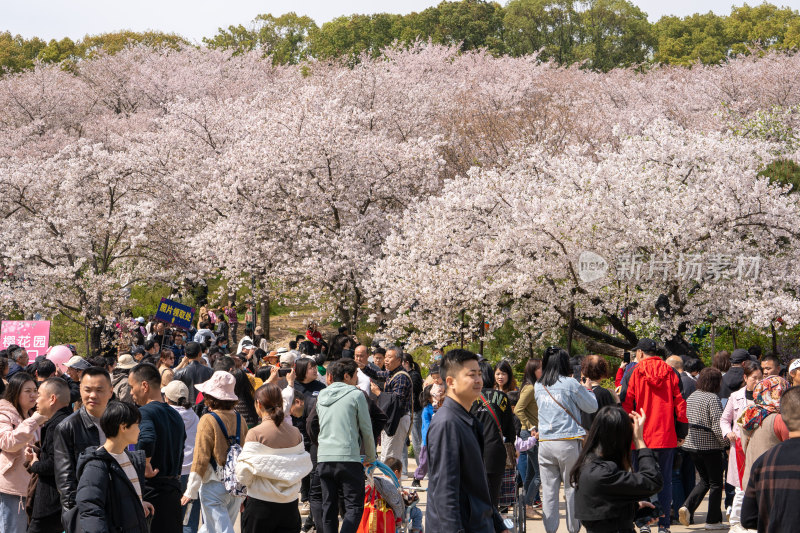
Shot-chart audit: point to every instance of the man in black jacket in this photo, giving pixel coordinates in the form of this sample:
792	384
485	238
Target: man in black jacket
161	437
459	491
733	379
77	432
194	372
53	401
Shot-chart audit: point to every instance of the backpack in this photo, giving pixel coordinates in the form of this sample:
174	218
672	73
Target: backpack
234	449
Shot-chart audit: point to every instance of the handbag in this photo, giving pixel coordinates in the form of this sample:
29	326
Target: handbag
378	517
511	450
565	410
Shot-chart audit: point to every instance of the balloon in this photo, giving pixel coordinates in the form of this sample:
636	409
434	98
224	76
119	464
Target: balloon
59	355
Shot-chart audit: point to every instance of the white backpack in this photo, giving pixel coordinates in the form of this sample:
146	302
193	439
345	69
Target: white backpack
234	449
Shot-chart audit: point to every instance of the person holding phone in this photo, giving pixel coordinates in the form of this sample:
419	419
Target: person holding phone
608	496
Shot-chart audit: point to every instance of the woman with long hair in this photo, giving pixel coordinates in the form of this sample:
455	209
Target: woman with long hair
561	399
607	493
271	465
246	394
706	444
504	379
528	414
737	403
19	429
166	360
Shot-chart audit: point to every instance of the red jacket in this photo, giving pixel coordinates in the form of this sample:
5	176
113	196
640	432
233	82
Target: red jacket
654	387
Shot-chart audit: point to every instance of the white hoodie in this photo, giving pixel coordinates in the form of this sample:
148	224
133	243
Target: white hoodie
190	422
272	474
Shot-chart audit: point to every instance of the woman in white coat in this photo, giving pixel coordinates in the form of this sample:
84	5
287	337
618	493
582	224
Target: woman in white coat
272	464
737	403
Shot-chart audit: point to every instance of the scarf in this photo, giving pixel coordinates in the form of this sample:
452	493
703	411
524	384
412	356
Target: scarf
767	398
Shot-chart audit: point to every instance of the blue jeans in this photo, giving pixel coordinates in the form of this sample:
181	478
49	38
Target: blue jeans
12	514
220	508
415	517
194	515
665	457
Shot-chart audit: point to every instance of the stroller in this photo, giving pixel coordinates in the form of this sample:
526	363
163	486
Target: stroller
512	499
379	516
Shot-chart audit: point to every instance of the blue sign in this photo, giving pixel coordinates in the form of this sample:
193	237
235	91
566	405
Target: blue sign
176	314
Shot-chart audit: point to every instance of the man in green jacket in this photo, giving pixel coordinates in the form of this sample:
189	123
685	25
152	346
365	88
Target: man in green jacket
344	428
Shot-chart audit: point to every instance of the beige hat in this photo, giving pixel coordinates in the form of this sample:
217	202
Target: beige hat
175	390
78	363
126	362
220	386
287	358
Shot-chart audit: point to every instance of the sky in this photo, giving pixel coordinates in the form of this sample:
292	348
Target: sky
195	19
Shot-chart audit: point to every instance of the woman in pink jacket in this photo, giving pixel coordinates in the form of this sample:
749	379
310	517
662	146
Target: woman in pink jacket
19	429
737	403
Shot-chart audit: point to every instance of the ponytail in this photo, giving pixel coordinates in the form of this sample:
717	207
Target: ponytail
269	398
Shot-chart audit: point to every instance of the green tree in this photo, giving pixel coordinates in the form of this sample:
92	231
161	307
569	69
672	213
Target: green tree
17	53
615	33
114	42
58	51
284	38
684	41
765	24
355	34
473	24
552	27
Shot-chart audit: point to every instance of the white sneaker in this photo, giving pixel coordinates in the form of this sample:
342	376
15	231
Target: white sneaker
738	528
684	516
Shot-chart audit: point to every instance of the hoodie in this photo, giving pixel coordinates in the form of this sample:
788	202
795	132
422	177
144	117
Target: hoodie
343	418
655	387
190	421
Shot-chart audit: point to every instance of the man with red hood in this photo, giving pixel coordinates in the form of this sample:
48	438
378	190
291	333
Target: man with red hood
655	387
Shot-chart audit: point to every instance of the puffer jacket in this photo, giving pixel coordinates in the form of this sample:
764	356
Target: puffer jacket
272	474
16	434
655	387
106	499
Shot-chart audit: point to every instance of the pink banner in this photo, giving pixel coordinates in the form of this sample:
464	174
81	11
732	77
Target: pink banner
33	335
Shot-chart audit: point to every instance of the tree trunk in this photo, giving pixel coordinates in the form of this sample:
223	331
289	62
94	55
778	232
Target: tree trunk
265	316
462	330
570	328
733	334
96	338
774	338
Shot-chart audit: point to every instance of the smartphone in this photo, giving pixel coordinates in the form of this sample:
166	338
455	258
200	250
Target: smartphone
284	371
626	357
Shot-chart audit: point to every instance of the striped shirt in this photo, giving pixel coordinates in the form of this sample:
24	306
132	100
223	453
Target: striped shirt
125	463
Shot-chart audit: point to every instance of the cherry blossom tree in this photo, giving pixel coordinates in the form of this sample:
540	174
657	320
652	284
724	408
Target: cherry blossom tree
681	220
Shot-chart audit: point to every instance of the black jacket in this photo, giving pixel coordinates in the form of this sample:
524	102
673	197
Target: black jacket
46	499
495	432
74	389
106	499
732	381
416	389
72	436
191	375
607	497
457	482
689	385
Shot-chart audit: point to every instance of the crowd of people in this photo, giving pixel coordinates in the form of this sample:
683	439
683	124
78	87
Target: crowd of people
190	430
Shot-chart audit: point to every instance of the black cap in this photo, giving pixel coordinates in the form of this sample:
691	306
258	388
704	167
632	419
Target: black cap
137	350
739	356
646	345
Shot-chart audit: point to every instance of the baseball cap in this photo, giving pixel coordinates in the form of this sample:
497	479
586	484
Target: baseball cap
739	356
794	365
287	358
646	345
175	390
78	363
